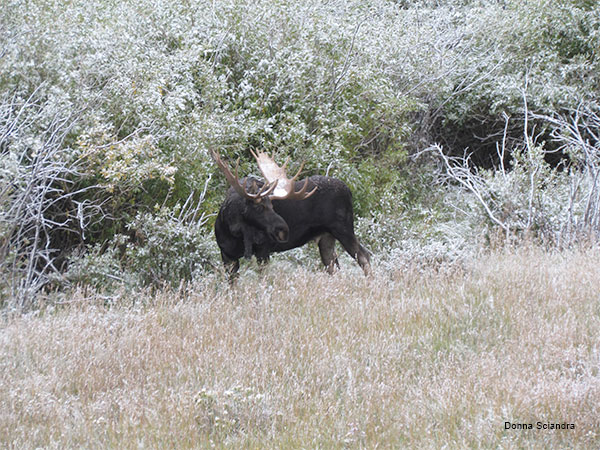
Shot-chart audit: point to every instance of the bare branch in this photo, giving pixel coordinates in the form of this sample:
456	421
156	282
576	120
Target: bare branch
458	170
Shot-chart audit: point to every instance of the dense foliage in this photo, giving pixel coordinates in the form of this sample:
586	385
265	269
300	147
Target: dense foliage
108	109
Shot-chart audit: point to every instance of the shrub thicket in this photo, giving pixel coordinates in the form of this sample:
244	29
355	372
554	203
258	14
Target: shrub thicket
108	109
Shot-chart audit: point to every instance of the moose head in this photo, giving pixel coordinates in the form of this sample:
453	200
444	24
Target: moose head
255	214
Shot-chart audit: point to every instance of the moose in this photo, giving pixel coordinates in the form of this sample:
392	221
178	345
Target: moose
263	217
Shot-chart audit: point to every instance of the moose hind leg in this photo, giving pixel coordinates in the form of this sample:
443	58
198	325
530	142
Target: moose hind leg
357	251
326	243
364	259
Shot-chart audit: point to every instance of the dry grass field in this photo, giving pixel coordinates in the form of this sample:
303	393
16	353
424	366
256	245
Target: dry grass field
416	358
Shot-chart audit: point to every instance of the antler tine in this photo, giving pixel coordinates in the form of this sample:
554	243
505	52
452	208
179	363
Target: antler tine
301	194
268	188
297	173
264	191
234	180
222	165
275	173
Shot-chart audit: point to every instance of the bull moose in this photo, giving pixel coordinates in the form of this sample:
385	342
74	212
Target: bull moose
263	217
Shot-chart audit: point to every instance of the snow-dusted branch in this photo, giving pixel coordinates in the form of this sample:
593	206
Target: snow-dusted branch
459	170
39	197
561	205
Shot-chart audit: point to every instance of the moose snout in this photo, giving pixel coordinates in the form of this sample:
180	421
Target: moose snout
281	234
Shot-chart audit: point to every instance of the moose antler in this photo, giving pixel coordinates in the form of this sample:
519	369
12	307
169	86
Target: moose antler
275	174
234	180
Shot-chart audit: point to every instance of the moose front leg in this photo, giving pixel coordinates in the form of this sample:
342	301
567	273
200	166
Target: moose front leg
231	267
248	235
262	258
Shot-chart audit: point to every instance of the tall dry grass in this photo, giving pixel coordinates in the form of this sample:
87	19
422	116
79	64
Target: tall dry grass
412	358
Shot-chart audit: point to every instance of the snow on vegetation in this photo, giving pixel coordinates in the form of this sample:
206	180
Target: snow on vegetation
468	132
108	110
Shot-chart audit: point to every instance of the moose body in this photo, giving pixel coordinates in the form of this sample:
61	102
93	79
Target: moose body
264	225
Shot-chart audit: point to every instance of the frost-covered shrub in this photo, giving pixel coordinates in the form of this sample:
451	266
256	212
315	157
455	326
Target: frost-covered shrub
484	55
41	205
101	267
170	248
123	165
165	247
559	206
351	87
404	231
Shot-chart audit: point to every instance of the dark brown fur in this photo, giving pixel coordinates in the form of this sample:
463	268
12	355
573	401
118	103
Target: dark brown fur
245	227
